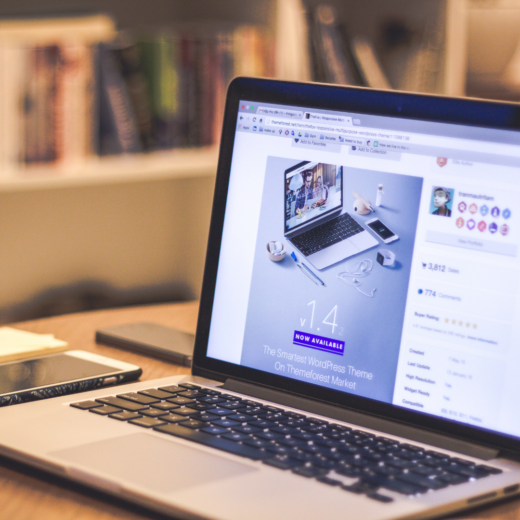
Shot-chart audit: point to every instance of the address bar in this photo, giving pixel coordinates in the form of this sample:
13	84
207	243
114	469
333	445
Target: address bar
313	127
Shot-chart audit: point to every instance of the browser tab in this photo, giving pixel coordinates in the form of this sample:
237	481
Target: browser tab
292	114
335	119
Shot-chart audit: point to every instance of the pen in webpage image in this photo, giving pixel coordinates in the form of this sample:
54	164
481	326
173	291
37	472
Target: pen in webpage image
305	270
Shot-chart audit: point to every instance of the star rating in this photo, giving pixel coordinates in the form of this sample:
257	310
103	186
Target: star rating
460	323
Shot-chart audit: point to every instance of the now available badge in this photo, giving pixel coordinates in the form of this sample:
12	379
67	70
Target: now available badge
333	346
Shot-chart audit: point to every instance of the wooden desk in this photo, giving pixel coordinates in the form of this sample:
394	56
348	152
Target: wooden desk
27	494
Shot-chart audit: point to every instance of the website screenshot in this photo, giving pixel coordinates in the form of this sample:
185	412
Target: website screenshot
373	260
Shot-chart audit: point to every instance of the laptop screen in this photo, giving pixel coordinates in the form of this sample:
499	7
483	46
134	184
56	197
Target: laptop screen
427	319
312	190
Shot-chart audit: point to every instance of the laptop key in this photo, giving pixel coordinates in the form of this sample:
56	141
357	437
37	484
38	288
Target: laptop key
219	443
310	471
426	482
172	389
138	398
329	481
105	410
153	412
192	423
153	392
173	418
189	386
241	417
212	399
282	462
191	394
226	423
86	405
201	406
466	471
236	436
122	403
165	405
246	428
392	484
184	410
215	430
147	422
233	405
209	391
180	400
488	469
380	498
452	478
124	416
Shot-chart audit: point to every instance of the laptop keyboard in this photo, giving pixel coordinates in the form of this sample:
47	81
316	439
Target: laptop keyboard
327	234
307	446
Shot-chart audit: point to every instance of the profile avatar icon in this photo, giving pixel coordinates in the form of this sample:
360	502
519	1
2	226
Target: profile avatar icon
441	200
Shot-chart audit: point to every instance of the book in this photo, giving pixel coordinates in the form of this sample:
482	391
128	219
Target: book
330	48
368	64
19	344
117	123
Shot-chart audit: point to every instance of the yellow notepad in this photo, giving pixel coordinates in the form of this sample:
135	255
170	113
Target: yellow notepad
19	344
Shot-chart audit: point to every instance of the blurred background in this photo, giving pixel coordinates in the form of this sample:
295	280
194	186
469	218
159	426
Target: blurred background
110	115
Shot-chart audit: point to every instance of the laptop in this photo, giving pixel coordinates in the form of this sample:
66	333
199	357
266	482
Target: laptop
314	219
387	391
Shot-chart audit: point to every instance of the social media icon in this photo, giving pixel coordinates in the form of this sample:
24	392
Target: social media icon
506	213
462	206
470	224
493	228
482	226
459	222
287	132
473	208
495	212
504	229
484	210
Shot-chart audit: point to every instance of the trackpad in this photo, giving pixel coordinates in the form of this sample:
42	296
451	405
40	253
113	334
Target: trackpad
151	462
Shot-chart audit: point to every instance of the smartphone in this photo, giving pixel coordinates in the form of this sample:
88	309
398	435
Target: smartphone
151	339
383	232
59	374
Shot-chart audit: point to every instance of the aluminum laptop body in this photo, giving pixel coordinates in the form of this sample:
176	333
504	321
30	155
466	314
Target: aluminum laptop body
308	209
388	388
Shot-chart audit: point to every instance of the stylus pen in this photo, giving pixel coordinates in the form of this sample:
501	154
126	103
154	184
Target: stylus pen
306	273
315	276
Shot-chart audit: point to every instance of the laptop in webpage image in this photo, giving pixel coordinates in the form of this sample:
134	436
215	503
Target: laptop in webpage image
309	399
313	204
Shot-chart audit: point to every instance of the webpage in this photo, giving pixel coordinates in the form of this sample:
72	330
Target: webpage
412	302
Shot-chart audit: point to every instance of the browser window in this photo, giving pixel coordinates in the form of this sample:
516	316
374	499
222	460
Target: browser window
427	317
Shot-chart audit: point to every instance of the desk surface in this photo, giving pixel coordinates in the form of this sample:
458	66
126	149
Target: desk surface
28	494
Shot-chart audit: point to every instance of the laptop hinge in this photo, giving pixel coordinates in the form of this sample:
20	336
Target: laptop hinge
383	425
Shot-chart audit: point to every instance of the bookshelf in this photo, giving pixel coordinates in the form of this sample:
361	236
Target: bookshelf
99	171
138	222
121	229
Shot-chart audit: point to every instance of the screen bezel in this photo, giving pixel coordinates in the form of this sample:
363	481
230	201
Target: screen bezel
467	112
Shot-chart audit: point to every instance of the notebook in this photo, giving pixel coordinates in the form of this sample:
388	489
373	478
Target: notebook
384	386
314	219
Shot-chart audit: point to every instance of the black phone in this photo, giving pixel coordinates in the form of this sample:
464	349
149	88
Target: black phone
151	339
60	374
